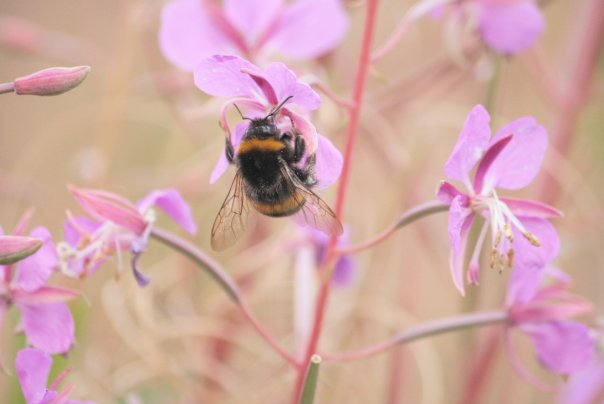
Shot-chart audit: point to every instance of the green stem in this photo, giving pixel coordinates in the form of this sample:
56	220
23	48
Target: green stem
310	384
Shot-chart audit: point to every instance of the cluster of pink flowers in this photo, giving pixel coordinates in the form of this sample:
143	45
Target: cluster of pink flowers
522	238
215	44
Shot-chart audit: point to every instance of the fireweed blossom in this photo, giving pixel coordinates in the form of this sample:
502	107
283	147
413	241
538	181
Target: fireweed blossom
506	26
345	267
194	29
256	93
45	318
586	386
541	312
33	367
508	160
116	225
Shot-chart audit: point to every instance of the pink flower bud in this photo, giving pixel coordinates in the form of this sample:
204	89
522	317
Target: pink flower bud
108	206
52	81
16	248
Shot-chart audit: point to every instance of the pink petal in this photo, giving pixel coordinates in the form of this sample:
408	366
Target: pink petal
527	255
511	28
34	272
222	164
44	295
490	156
286	84
460	222
329	163
48	327
306	129
251	16
76	227
562	346
171	202
221	75
586	385
220	168
447	192
530	208
109	206
264	85
33	368
187	34
309	28
523	285
518	164
470	146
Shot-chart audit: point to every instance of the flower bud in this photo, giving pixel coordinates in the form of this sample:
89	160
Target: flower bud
52	81
16	248
109	206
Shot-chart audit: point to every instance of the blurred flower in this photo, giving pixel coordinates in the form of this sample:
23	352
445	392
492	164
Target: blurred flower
586	386
345	267
194	29
257	92
16	248
45	318
562	346
116	225
506	26
509	160
51	81
33	367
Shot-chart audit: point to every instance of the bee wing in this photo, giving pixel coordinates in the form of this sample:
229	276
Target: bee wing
232	218
314	212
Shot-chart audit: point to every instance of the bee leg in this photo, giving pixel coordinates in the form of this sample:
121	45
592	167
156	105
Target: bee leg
299	148
229	151
307	174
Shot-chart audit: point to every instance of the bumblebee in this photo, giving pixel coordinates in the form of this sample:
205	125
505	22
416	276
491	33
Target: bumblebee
270	180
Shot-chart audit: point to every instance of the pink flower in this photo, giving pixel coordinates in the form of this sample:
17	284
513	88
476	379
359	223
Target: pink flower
192	30
585	386
509	26
520	234
33	367
45	318
542	313
506	26
116	225
345	267
256	92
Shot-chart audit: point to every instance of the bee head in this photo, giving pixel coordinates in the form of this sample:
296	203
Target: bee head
263	128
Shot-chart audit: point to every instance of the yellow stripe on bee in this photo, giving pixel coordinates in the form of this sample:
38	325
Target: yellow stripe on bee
260	144
289	206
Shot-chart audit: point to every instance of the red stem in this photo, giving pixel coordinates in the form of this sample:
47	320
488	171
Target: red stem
355	114
583	53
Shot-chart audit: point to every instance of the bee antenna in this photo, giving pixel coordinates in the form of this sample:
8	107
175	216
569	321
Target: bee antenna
278	107
240	113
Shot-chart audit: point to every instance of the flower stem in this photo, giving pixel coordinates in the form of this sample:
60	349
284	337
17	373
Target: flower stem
351	132
429	329
493	86
224	280
408	217
7	87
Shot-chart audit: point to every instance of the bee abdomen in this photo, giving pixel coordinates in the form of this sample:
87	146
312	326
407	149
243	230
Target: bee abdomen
285	207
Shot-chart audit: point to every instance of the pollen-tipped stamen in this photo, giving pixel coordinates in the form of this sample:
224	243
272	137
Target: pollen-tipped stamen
532	238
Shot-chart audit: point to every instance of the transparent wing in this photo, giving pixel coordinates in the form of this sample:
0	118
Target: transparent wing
231	221
314	212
